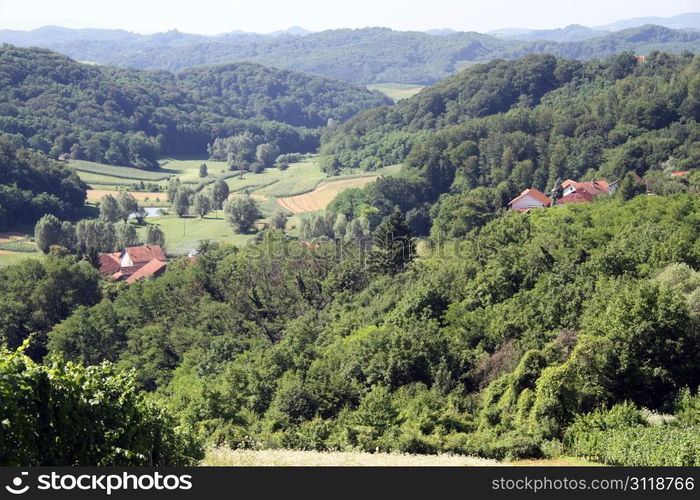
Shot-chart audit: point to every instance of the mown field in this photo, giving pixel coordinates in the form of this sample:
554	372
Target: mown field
396	91
254	458
184	234
221	457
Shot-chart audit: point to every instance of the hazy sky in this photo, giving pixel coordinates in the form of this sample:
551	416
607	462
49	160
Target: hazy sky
261	16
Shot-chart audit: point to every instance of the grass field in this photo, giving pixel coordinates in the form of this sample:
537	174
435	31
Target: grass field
17	246
396	91
103	176
103	173
252	458
188	169
184	234
11	258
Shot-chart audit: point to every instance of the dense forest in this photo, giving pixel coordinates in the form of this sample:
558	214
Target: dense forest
364	56
499	345
130	117
485	134
31	185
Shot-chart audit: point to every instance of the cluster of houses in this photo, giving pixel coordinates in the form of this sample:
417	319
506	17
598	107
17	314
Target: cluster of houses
133	263
571	192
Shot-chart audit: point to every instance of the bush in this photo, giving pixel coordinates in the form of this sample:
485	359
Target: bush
656	446
61	413
18	246
620	436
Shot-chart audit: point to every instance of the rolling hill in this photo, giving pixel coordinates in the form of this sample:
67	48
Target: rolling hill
362	56
124	116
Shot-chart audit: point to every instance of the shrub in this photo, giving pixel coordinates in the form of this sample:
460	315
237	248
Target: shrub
61	413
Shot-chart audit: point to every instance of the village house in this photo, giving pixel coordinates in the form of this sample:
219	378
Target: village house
133	263
594	188
529	198
576	196
584	192
572	192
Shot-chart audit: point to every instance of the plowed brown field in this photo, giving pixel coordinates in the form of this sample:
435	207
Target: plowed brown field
320	198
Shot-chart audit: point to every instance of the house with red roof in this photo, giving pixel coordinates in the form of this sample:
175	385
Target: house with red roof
529	198
579	196
594	188
584	192
153	268
133	263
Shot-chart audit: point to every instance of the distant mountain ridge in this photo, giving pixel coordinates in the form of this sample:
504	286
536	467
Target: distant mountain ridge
571	33
361	56
574	32
689	20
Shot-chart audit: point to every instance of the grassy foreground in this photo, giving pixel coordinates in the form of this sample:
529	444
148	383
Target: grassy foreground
220	457
255	458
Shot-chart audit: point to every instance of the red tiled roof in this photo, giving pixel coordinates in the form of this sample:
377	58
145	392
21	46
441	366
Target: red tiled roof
153	268
578	196
145	254
535	193
109	263
125	272
593	187
680	173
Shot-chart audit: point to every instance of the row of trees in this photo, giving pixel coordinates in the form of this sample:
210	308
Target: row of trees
91	236
240	211
244	152
184	199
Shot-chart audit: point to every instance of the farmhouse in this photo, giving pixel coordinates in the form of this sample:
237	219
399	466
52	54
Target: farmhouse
530	198
133	263
594	188
578	196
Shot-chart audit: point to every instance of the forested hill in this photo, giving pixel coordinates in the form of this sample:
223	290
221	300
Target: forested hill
368	55
510	125
126	116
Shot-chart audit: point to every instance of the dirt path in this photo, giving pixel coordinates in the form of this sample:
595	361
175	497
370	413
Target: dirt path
320	198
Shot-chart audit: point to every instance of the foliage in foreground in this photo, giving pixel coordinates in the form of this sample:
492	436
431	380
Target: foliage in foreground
62	413
621	436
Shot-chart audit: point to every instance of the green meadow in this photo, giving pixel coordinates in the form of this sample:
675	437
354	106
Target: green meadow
396	91
184	233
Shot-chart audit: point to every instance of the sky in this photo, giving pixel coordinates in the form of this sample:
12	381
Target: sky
263	16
